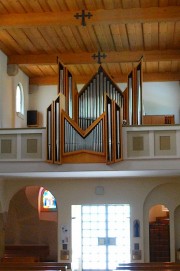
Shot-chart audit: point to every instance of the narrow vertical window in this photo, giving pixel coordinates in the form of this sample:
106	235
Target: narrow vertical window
19	99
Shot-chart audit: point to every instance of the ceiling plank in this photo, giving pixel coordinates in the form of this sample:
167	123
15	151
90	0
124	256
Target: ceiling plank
118	78
86	58
100	16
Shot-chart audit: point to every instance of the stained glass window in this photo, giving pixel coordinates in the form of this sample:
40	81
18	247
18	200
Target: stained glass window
48	200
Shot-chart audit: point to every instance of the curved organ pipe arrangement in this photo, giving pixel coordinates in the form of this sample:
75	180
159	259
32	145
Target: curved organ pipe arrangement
86	127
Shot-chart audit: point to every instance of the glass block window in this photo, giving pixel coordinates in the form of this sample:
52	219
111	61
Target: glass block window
105	236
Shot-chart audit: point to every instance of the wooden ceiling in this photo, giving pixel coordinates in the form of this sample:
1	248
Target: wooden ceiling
35	33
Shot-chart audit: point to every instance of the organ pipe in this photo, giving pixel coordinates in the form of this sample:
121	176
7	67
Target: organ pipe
74	141
70	94
139	94
130	99
61	87
109	128
91	98
57	130
117	135
50	133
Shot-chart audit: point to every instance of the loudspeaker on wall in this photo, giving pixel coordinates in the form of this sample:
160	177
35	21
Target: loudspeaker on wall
32	118
12	69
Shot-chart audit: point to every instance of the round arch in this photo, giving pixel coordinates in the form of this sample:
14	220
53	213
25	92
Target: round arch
177	232
25	215
166	194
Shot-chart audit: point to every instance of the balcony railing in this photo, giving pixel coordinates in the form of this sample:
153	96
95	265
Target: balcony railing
26	144
139	142
151	142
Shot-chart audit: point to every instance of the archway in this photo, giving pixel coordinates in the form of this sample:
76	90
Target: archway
177	232
2	231
159	238
29	228
164	194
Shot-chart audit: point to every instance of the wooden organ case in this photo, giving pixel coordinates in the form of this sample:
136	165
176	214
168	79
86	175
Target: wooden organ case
133	97
85	127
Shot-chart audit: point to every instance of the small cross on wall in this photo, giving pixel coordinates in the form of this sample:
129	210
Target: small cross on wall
83	15
99	56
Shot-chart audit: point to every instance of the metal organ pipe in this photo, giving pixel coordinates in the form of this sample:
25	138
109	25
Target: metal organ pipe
57	127
70	96
49	134
91	100
109	122
94	96
118	145
91	105
97	97
139	95
74	141
130	94
101	93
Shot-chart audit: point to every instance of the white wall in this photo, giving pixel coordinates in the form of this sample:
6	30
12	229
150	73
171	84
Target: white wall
8	84
140	193
6	119
160	98
40	98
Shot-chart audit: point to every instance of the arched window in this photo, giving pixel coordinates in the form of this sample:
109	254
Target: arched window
20	99
48	201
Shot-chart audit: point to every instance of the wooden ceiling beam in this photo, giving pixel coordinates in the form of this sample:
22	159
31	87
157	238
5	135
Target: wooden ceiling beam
43	80
42	59
86	58
101	16
118	78
33	59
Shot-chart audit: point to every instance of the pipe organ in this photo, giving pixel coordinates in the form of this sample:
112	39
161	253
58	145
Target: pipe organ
86	127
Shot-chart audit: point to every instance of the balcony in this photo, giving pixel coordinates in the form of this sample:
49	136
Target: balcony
147	151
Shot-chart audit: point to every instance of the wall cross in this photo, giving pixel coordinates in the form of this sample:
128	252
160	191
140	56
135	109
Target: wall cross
99	56
83	15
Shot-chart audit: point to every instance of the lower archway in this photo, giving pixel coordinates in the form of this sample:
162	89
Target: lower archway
177	232
31	230
159	237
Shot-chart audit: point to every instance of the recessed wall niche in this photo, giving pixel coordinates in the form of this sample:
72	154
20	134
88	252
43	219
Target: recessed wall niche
138	143
8	146
165	143
31	146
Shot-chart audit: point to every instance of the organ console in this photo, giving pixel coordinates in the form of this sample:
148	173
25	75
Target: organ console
86	127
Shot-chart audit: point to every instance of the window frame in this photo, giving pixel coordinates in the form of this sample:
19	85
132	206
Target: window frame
19	100
43	209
